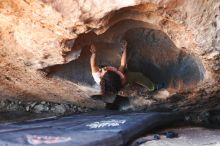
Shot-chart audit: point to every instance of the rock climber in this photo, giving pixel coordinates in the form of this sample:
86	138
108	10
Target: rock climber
112	79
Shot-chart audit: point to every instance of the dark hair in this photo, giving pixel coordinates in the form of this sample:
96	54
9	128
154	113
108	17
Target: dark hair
110	83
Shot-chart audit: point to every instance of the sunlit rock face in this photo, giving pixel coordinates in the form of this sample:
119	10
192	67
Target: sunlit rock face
51	34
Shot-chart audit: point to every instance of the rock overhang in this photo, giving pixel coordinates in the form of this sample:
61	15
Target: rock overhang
37	30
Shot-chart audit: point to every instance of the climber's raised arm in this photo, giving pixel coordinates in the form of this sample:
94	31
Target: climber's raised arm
123	57
93	64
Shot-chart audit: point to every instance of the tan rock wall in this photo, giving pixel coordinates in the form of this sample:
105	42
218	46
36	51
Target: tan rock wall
32	34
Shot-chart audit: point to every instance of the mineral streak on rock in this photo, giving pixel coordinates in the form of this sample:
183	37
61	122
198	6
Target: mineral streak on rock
35	35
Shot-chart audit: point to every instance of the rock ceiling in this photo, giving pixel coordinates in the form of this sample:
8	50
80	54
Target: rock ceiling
34	34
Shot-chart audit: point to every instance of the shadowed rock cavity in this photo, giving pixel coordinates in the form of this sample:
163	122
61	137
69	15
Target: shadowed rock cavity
150	51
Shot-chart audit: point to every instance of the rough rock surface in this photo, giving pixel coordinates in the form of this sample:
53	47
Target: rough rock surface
35	35
40	107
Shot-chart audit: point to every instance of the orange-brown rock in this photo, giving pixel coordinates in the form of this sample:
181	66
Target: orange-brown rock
35	35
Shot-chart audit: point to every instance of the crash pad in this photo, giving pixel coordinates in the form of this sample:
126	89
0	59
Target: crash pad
89	129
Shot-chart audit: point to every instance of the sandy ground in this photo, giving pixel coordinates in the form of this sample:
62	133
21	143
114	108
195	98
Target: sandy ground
190	136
